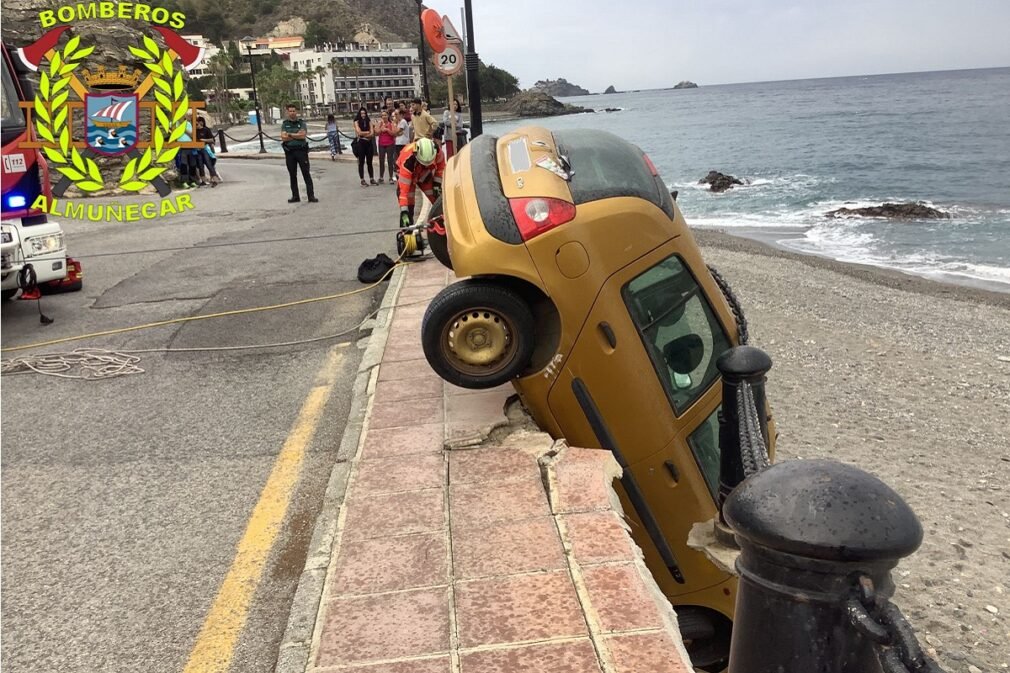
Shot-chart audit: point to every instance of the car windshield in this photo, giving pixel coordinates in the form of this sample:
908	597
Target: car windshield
12	115
605	166
680	331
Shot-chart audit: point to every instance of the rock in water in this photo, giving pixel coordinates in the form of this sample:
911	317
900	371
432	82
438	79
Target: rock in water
894	211
534	103
684	84
719	182
610	89
560	87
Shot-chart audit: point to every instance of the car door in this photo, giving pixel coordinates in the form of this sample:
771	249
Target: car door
618	390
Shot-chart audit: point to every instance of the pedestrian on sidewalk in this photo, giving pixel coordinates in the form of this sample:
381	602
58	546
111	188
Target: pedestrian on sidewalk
424	124
206	157
387	147
402	140
333	136
296	153
364	131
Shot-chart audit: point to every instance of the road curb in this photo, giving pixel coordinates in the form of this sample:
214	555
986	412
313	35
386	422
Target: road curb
293	655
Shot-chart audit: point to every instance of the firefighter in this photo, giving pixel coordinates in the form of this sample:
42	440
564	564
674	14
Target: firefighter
420	165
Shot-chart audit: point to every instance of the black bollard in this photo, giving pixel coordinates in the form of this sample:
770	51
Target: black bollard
221	141
737	365
808	531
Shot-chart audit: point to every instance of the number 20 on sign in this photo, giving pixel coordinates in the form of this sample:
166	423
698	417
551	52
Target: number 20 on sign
449	61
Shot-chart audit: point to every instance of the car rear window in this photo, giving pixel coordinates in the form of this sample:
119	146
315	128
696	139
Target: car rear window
606	166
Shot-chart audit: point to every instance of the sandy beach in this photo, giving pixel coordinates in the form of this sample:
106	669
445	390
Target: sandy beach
910	380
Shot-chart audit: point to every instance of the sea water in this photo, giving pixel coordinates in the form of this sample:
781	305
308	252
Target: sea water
806	147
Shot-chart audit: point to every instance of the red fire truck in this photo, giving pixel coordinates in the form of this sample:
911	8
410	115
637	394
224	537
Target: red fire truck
34	251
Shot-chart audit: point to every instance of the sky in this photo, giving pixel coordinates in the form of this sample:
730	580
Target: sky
656	43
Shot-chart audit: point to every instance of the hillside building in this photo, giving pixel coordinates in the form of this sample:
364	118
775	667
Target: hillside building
341	76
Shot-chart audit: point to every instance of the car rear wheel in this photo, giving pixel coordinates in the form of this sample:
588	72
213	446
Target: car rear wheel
706	634
439	243
478	334
8	294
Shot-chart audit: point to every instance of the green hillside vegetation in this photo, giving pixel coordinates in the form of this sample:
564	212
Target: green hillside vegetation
327	20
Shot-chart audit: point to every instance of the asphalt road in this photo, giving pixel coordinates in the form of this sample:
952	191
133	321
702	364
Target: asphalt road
124	499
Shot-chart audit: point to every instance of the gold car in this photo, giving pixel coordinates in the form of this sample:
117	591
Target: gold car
584	287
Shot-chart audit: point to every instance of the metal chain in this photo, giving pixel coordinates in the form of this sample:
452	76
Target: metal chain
734	305
752	443
894	641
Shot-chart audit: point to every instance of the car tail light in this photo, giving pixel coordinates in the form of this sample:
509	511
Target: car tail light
537	215
650	165
74	271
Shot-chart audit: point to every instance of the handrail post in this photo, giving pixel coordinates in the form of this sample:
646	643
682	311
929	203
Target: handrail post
809	531
738	365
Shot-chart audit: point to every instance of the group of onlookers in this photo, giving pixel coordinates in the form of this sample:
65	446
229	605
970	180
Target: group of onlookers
396	128
195	164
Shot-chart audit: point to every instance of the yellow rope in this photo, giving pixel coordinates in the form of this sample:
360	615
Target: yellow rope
191	318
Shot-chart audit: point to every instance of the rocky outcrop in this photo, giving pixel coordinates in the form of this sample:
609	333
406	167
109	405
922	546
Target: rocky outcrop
534	103
684	84
894	211
560	87
610	89
719	182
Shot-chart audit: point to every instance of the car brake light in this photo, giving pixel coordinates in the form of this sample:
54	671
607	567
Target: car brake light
650	165
537	215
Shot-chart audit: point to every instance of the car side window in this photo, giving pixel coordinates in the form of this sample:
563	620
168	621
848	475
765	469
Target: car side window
704	443
679	329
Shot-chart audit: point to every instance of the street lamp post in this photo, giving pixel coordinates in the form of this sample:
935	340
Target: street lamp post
472	82
424	56
248	42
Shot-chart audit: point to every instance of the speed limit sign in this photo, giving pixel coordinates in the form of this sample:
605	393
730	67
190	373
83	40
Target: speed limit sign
449	61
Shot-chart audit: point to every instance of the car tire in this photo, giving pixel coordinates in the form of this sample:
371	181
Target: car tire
439	243
7	295
478	334
46	288
706	635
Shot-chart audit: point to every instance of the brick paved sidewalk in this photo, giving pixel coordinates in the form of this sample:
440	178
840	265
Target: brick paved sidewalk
483	559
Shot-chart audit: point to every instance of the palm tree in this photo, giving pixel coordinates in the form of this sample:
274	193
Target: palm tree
220	64
344	71
319	72
355	71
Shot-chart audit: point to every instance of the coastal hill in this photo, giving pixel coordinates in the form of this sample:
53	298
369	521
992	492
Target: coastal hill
327	20
560	87
537	103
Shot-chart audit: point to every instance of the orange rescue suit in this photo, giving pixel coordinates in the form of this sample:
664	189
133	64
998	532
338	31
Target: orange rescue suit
412	173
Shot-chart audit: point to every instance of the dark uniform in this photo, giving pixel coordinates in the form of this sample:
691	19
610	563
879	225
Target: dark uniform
296	152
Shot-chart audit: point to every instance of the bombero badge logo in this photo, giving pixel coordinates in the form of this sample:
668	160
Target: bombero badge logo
142	115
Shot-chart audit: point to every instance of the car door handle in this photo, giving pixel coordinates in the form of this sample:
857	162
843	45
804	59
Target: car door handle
608	334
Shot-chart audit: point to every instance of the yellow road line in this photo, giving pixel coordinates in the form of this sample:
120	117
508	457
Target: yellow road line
215	645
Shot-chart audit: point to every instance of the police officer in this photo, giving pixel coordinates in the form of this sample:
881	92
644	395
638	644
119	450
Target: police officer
296	153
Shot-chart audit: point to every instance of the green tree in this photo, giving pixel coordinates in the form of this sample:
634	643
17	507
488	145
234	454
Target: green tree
277	86
194	87
344	70
220	65
354	70
316	34
496	82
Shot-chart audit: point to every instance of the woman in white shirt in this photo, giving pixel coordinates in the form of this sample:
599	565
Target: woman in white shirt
402	136
451	143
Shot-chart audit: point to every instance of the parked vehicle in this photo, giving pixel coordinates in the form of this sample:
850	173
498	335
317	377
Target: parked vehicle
33	248
585	288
